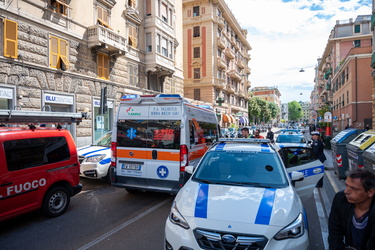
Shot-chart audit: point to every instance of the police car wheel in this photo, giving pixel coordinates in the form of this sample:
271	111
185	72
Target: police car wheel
56	201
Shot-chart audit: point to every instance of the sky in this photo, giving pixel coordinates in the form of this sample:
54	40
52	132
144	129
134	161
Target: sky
287	35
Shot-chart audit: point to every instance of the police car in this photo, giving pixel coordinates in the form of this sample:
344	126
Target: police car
95	159
242	196
292	138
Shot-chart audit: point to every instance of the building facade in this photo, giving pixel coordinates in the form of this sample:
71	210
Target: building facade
216	56
343	81
60	55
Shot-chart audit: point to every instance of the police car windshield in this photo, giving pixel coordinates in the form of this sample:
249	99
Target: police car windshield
104	141
291	138
241	168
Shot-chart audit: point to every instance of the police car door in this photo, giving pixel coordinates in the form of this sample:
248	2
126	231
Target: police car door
301	159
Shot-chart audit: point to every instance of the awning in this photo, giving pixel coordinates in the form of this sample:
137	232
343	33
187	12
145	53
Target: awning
244	120
233	119
226	118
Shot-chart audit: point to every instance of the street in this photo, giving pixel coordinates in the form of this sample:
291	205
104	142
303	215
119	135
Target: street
104	217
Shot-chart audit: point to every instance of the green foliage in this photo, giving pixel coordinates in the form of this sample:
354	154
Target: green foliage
294	111
261	110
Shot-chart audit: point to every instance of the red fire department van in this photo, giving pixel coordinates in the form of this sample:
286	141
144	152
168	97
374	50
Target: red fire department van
39	167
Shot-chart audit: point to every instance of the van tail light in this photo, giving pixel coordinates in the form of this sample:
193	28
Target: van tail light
184	157
114	156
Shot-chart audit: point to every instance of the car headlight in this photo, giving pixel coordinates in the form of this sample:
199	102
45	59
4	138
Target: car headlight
176	218
293	230
95	158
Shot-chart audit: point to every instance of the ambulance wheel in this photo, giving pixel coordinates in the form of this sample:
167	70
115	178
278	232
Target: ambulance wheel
55	202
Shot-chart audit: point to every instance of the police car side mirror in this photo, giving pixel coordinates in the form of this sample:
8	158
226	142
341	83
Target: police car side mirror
189	169
297	176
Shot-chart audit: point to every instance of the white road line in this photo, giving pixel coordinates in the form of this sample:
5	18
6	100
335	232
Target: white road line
116	229
322	218
333	183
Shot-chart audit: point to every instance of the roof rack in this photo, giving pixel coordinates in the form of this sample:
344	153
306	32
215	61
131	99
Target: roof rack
41	117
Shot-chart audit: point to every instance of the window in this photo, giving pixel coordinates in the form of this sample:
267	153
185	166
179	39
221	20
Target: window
103	18
133	74
357	43
149	134
58	53
103	66
196	11
357	28
170	50
148	43
33	152
133	35
164	12
164	48
158	38
197	73
347	97
219	52
196	31
148	7
132	3
197	94
197	52
10	39
60	6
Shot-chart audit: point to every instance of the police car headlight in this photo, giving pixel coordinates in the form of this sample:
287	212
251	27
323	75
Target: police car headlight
293	230
176	218
95	158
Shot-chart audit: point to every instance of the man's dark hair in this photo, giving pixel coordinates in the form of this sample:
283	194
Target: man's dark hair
366	176
245	129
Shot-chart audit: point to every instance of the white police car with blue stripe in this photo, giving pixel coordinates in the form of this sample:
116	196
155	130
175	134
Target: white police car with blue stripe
96	158
241	196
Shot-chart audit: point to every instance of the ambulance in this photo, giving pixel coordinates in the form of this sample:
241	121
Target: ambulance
155	137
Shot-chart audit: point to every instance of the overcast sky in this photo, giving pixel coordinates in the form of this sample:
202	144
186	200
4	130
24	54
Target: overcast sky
287	35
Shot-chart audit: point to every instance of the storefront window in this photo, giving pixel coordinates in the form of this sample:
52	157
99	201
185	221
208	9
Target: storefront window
6	98
102	122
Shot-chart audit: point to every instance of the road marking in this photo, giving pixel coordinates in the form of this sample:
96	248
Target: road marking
116	229
322	218
333	183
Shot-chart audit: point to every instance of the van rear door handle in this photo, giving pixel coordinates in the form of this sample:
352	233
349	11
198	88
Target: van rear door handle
154	154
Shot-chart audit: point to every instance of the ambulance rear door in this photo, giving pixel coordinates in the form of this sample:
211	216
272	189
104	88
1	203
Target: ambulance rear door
148	146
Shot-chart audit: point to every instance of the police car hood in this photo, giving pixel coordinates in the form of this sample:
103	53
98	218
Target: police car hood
88	151
224	207
291	144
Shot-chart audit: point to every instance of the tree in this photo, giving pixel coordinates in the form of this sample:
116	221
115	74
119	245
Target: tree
254	109
294	111
274	109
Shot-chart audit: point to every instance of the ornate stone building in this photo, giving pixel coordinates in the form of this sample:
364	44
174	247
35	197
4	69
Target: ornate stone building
59	55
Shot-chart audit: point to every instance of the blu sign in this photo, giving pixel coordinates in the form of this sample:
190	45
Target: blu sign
51	98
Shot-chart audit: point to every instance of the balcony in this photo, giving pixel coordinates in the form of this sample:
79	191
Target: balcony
220	21
99	36
220	83
234	74
247	83
221	42
220	63
247	57
240	64
247	70
230	88
229	53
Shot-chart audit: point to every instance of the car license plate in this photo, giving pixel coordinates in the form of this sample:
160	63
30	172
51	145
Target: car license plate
132	167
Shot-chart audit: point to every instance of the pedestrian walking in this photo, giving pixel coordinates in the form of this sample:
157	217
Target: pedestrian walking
270	135
318	146
352	217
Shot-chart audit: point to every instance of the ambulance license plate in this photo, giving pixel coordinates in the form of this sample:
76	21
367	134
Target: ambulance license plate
132	167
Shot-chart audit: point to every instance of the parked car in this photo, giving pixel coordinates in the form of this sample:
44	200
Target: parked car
241	196
39	170
95	159
292	139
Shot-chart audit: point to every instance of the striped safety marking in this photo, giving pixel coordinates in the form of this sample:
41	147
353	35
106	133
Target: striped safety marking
201	203
265	148
265	209
220	146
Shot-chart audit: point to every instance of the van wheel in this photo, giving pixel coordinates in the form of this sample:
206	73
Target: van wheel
56	202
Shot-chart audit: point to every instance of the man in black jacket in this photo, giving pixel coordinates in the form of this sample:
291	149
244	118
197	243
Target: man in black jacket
352	217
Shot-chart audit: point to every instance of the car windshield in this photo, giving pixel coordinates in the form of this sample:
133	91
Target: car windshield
104	141
241	168
291	138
